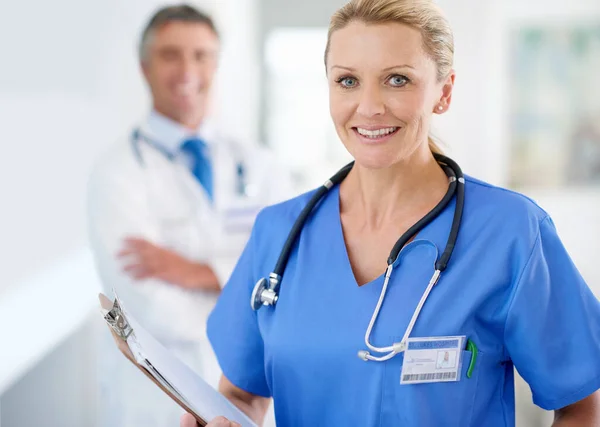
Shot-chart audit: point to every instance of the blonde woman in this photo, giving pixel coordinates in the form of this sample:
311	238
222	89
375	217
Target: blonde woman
348	328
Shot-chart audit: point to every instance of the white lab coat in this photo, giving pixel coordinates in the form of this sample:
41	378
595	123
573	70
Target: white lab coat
160	200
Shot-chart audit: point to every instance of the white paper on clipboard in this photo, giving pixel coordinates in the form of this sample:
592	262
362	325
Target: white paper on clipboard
175	375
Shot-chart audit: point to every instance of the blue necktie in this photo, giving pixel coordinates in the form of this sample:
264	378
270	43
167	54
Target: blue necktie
201	164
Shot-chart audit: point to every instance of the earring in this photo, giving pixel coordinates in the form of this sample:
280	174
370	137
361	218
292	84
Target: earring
440	108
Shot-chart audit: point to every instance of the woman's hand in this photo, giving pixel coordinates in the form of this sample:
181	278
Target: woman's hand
188	420
252	405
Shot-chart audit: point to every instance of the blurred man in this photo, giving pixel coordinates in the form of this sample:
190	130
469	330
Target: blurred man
170	209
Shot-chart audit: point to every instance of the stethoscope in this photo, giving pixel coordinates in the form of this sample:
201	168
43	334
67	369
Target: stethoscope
137	136
266	291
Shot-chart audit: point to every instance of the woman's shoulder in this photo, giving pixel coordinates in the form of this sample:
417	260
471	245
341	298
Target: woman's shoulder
494	211
283	214
501	201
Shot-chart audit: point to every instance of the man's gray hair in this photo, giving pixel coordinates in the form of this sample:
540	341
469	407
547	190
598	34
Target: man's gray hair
176	13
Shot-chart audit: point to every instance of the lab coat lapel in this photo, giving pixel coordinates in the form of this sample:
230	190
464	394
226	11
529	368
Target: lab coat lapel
176	180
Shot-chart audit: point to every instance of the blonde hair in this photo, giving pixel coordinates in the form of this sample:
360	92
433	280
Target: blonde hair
422	15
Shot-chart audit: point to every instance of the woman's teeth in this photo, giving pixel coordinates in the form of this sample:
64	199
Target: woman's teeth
376	133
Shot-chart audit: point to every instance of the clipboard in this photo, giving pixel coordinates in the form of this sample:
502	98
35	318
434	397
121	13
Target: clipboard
122	330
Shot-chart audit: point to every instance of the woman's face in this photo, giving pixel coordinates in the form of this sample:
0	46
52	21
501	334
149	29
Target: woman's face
383	89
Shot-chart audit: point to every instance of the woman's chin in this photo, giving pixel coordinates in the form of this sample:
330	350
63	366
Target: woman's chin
383	156
376	157
375	162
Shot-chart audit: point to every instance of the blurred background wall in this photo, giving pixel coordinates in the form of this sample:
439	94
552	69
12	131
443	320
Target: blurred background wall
70	86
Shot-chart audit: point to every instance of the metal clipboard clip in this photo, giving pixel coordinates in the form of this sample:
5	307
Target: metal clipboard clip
117	321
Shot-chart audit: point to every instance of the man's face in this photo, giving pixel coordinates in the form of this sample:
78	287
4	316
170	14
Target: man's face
179	66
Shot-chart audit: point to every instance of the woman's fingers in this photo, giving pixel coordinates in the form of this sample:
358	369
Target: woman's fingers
187	420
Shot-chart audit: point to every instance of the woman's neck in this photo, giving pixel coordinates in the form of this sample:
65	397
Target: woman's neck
401	192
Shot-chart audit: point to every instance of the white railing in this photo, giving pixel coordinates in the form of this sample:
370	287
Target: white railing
42	311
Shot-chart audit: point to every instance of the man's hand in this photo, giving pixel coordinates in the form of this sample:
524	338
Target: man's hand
144	260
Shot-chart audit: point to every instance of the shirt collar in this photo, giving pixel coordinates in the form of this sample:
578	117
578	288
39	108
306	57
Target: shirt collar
168	133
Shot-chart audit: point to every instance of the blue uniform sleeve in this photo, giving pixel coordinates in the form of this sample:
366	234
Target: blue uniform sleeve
552	331
233	331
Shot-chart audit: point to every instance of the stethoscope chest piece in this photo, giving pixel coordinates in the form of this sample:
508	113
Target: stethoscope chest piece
263	294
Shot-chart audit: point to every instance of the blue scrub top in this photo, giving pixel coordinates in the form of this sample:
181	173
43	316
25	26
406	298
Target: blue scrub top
510	287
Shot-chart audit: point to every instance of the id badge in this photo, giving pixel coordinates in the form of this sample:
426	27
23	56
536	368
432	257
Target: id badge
432	360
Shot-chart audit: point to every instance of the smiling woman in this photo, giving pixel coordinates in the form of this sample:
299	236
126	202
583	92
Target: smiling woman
437	41
389	69
405	84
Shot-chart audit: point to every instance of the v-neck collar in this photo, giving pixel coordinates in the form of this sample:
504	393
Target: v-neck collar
420	235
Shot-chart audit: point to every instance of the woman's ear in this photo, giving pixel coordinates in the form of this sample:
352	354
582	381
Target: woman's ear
446	95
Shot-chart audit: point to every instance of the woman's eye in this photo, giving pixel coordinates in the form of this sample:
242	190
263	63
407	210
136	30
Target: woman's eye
398	81
347	82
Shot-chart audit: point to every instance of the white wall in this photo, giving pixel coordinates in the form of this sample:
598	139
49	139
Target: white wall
238	83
